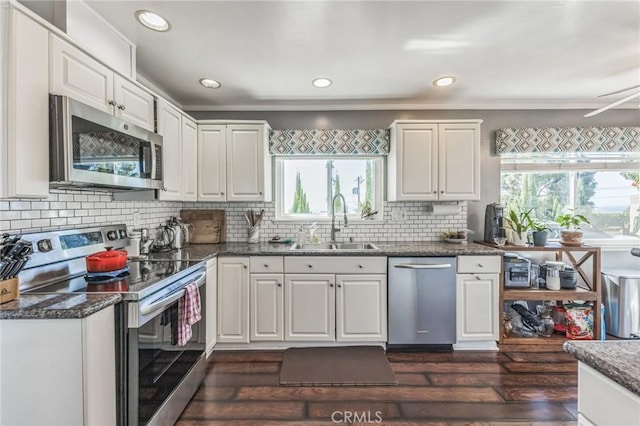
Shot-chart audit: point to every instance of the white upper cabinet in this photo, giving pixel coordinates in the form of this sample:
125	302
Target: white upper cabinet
233	162
431	160
24	107
170	128
212	163
189	159
180	153
74	73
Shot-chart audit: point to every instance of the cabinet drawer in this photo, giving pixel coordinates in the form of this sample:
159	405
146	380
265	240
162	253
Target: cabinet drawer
335	265
266	264
479	264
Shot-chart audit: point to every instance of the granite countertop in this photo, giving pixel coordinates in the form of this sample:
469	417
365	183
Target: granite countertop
56	305
618	360
404	249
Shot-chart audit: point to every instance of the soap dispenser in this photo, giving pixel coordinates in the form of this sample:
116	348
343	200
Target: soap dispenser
313	229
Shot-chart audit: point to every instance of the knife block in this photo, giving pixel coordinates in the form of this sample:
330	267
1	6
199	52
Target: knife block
9	290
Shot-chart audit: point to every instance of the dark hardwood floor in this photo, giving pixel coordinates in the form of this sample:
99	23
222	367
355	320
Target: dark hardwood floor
517	386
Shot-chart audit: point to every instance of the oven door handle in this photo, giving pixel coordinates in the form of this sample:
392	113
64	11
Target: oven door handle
145	310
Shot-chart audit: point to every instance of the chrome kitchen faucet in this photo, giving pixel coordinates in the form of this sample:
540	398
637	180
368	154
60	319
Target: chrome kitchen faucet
333	216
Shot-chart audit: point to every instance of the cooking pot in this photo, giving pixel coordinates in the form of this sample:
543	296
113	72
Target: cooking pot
107	261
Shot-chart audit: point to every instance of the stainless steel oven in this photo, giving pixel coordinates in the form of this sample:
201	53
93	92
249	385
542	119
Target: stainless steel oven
162	375
155	376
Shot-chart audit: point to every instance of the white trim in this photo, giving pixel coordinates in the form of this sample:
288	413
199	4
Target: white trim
544	167
524	105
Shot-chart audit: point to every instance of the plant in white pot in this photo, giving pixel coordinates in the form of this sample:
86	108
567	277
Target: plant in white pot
570	235
519	223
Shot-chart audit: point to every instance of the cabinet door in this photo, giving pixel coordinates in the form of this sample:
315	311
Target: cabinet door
477	307
133	103
233	300
413	173
210	304
459	161
189	159
27	138
74	73
309	307
267	299
245	162
361	308
212	154
170	127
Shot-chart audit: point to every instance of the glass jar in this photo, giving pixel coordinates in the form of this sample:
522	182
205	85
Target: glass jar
547	326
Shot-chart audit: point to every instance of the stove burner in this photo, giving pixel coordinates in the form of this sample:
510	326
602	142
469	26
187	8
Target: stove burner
106	277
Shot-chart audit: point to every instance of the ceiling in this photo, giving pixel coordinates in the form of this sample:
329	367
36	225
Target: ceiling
385	54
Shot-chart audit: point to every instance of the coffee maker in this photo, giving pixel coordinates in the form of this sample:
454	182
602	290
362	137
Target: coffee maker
493	217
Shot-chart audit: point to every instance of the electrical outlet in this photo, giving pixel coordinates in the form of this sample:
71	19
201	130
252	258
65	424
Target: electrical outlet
397	215
136	219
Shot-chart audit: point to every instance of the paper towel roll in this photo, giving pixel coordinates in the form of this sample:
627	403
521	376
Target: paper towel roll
445	209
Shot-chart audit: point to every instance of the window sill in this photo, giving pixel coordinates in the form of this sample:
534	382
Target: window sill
327	221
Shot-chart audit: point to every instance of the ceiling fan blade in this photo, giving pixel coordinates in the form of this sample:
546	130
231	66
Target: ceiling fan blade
614	104
619	91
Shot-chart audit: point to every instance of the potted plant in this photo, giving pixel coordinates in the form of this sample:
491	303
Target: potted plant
570	236
540	233
519	223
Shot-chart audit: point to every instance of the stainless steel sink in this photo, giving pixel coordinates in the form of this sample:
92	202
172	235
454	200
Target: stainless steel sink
334	247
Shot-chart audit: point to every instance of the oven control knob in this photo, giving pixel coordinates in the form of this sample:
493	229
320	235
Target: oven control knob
123	233
112	235
44	246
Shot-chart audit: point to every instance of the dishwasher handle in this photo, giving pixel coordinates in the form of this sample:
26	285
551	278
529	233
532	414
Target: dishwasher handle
423	265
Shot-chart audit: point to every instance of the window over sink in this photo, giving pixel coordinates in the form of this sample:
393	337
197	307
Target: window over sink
305	187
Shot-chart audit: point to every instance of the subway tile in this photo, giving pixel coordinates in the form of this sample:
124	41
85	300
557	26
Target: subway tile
40	205
20	224
9	215
4	205
66	213
30	214
58	221
40	222
73	205
57	205
5	225
20	205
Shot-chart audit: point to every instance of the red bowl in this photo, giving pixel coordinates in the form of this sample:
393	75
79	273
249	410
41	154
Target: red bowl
106	261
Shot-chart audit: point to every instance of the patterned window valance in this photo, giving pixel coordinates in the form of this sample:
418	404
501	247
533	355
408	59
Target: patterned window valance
329	142
568	139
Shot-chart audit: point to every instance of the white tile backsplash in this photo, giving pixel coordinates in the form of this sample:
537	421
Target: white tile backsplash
418	224
69	209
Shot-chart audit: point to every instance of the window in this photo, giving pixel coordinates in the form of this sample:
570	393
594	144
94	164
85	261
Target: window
604	188
306	186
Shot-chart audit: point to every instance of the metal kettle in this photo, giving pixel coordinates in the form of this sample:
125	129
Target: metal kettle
165	239
180	233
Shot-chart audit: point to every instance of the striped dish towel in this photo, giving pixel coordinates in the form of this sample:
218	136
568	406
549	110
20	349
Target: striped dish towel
188	312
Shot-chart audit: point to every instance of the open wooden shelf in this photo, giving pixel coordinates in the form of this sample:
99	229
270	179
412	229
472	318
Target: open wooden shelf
574	256
543	294
555	339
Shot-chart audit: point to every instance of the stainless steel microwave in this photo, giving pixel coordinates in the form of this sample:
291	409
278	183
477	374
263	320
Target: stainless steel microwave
93	149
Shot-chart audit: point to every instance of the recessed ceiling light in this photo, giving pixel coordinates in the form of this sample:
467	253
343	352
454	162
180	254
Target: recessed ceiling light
210	83
152	20
321	82
447	80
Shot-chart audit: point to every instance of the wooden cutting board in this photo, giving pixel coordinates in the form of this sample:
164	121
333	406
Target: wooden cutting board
207	226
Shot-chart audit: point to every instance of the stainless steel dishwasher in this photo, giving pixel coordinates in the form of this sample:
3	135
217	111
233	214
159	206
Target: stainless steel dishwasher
422	302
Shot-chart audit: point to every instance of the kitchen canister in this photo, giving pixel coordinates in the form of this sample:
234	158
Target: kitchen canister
253	235
553	275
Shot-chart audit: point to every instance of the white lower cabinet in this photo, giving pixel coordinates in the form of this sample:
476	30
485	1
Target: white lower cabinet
233	300
477	299
310	307
343	300
58	371
477	307
603	402
211	303
266	296
361	308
